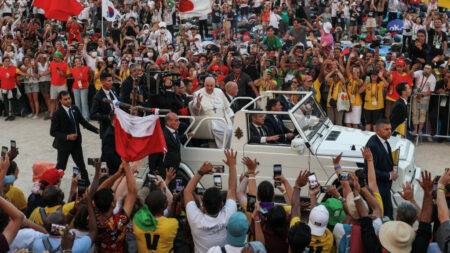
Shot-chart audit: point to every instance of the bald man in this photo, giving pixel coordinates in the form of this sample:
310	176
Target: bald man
211	101
174	139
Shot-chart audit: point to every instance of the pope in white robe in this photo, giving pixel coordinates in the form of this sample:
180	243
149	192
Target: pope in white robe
211	101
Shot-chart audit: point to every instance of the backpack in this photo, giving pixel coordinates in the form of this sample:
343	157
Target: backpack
48	246
344	244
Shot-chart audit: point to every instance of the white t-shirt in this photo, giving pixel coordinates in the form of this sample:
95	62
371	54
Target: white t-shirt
228	248
423	83
209	231
24	239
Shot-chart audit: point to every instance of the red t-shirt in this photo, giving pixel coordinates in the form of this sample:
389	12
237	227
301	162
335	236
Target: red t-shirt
80	77
56	78
397	78
8	77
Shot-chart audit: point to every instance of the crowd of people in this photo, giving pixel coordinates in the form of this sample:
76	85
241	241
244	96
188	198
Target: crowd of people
365	73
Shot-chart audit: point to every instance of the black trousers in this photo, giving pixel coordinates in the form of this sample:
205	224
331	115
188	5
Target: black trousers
10	105
385	192
203	28
77	156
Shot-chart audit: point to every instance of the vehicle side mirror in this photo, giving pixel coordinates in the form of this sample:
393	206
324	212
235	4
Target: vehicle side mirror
298	144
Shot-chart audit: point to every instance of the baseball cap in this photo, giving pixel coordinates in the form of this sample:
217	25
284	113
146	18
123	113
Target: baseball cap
443	236
400	62
9	179
52	176
336	211
318	220
237	229
397	236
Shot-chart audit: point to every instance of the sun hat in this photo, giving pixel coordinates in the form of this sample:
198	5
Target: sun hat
237	229
318	220
52	176
327	27
396	236
336	211
443	236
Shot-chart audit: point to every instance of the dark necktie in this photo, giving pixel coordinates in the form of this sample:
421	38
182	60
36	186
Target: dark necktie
261	131
72	118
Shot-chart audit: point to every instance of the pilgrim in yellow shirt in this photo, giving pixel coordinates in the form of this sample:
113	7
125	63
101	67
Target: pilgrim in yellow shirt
159	240
35	216
374	99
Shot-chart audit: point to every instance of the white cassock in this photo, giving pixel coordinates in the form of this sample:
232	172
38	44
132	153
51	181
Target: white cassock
217	105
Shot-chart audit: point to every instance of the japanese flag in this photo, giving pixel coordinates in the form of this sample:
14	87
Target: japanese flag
137	137
194	8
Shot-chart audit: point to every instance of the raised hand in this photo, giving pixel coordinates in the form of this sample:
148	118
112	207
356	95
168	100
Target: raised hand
408	192
170	174
367	154
205	169
251	165
302	178
230	156
426	183
337	159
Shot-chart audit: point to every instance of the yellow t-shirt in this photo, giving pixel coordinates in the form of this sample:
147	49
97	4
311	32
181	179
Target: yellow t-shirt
323	244
160	240
264	85
374	99
333	93
35	216
16	197
380	202
353	92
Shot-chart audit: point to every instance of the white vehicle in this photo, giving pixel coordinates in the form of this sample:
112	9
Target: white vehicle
313	148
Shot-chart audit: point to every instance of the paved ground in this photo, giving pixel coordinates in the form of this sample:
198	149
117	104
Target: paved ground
35	143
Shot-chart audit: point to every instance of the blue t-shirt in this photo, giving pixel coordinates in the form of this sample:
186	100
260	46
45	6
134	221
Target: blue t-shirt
80	245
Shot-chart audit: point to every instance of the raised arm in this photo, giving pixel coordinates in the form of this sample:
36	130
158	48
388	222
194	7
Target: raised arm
232	174
110	181
16	219
4	165
440	197
92	222
301	181
132	191
187	193
371	177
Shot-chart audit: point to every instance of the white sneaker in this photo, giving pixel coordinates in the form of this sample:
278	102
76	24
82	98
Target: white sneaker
30	115
35	116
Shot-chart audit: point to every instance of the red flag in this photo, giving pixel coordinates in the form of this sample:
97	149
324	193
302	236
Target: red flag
59	9
137	137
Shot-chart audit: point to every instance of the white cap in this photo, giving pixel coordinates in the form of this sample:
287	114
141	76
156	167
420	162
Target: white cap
162	24
318	220
327	27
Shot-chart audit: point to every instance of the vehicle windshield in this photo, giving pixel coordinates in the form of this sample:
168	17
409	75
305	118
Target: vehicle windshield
309	116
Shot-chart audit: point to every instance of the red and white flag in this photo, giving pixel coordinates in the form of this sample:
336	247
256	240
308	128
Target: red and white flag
137	137
194	8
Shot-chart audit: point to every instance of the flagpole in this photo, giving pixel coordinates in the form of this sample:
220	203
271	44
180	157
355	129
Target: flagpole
102	18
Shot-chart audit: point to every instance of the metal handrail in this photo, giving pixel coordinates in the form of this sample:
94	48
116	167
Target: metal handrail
199	124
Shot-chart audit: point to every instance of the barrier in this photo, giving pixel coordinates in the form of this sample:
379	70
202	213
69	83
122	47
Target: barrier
436	116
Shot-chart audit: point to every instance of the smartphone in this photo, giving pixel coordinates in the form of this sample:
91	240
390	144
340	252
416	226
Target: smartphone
312	180
218	169
13	144
178	185
57	229
251	200
277	172
4	151
218	181
76	171
343	176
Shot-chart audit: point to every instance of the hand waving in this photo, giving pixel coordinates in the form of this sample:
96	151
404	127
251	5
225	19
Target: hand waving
230	157
170	174
408	192
367	154
337	159
205	169
302	178
426	183
251	164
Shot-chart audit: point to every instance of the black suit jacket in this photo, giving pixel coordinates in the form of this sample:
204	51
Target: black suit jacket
62	126
276	126
101	111
382	160
127	87
172	158
255	136
399	113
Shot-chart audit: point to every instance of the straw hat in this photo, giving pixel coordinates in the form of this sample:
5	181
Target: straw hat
397	236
